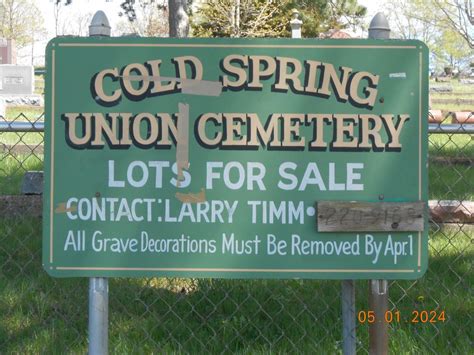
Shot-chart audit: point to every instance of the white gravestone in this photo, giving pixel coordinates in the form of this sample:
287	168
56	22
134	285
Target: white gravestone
16	79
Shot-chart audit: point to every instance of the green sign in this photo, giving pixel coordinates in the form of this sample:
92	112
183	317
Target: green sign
207	158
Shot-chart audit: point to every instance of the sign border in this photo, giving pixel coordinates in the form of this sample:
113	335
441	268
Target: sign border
241	45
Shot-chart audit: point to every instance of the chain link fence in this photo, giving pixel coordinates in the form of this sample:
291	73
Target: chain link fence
40	314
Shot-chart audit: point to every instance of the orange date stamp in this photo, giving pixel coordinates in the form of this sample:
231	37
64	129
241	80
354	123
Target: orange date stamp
395	316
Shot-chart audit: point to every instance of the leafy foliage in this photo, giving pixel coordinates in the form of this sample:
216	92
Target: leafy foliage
320	15
129	7
245	18
424	20
20	20
458	15
148	18
251	18
270	18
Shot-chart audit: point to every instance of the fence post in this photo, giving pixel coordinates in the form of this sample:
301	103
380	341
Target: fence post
99	286
348	286
378	289
379	28
348	310
348	317
378	303
98	315
295	24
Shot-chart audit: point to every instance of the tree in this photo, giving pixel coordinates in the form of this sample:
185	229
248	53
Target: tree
74	24
320	15
145	16
270	18
149	19
35	34
459	16
455	15
19	20
178	18
178	22
253	18
178	15
240	18
348	13
451	49
421	19
413	19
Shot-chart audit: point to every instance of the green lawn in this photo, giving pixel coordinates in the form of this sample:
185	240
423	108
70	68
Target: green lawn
13	168
45	315
24	113
39	84
451	145
13	138
451	182
460	91
40	314
446	181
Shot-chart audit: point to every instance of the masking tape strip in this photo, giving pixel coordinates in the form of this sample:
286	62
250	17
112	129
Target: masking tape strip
61	208
182	144
191	197
188	86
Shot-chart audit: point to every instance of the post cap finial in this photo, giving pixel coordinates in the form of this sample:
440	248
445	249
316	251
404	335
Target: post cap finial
295	14
379	27
99	25
295	18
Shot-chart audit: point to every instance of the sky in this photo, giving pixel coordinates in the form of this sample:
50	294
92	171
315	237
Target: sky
84	8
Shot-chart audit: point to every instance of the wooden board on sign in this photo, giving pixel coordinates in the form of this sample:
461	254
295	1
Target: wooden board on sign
345	216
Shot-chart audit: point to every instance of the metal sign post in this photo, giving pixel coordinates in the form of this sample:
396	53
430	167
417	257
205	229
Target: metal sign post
378	289
348	317
219	157
99	286
98	315
378	303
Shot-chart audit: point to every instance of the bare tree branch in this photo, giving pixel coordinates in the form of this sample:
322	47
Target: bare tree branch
459	17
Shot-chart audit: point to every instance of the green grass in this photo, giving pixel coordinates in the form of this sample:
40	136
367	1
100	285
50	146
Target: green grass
456	85
451	108
39	84
13	165
30	138
45	315
24	113
40	314
12	170
446	181
451	145
451	181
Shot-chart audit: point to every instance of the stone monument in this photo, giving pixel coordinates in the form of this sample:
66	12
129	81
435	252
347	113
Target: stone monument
7	51
14	79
